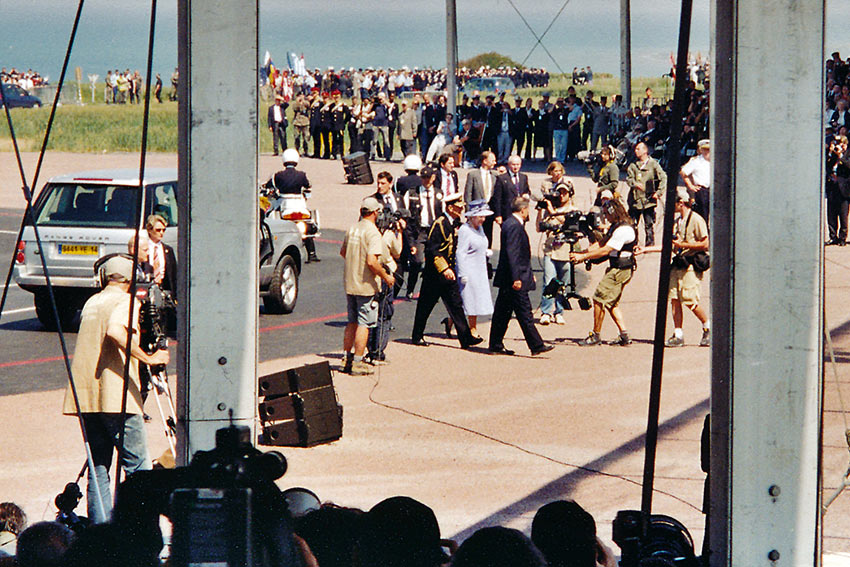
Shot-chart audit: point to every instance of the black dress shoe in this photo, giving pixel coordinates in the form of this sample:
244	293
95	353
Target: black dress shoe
501	350
541	350
419	342
447	325
472	342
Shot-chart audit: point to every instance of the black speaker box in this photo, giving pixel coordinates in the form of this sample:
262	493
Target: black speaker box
358	171
299	407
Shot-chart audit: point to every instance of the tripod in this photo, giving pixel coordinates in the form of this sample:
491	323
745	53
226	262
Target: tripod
562	292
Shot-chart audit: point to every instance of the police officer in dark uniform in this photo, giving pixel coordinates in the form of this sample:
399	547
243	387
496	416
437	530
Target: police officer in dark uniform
439	280
340	115
291	181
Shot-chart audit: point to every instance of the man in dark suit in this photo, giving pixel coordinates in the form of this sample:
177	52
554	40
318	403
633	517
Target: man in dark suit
479	187
493	122
425	204
277	123
508	186
514	280
447	176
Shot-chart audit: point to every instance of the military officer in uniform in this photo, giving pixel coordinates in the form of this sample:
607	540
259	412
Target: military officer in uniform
439	280
339	118
326	121
301	123
316	122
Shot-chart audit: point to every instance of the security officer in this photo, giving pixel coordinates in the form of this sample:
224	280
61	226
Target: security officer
327	122
439	280
316	122
290	181
425	204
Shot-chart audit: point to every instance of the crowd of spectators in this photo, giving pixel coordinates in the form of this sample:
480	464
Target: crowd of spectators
397	532
836	123
27	80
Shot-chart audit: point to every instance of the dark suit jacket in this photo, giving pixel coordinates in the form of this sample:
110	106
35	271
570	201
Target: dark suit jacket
438	181
271	120
504	192
474	189
514	256
169	278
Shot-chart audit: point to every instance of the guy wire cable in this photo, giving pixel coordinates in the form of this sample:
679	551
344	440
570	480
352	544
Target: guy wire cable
679	105
29	213
139	205
534	34
540	39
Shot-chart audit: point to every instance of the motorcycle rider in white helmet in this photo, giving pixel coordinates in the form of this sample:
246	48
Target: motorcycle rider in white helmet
291	181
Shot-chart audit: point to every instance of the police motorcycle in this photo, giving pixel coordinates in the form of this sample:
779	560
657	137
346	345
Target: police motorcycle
291	204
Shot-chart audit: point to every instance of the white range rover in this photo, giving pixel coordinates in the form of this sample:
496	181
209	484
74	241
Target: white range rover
84	216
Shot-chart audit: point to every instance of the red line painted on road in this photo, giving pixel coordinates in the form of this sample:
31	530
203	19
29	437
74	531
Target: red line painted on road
32	361
327	240
304	322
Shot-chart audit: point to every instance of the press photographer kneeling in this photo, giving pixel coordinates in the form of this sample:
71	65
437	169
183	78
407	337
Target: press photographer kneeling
618	247
98	376
551	211
690	261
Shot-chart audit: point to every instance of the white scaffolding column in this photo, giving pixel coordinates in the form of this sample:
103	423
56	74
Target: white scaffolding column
217	356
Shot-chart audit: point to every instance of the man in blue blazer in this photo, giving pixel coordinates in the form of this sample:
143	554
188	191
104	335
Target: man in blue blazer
508	186
514	280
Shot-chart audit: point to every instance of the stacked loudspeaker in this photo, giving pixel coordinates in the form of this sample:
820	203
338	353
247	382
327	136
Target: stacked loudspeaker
357	169
299	408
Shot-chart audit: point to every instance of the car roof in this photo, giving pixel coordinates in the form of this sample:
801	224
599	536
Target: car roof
124	176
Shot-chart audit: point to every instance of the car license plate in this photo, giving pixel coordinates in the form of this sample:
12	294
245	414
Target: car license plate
78	249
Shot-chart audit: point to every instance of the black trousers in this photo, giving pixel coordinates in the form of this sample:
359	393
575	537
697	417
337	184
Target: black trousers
326	143
529	145
315	133
508	302
435	287
836	216
379	335
702	203
338	137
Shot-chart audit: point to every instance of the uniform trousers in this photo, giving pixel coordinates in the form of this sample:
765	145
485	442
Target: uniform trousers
510	301
337	147
434	287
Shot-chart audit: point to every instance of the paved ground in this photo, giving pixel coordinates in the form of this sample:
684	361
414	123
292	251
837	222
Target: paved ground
482	439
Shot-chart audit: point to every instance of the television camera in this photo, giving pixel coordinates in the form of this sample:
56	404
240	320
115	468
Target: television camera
653	539
575	226
389	219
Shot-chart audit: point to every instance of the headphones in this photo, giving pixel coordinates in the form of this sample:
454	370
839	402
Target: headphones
100	266
568	186
608	206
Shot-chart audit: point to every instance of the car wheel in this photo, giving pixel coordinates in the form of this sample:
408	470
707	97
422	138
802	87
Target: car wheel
283	289
44	311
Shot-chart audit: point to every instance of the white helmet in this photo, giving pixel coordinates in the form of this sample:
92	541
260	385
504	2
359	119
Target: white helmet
290	156
412	163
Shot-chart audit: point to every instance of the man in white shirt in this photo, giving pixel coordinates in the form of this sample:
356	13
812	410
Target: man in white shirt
697	177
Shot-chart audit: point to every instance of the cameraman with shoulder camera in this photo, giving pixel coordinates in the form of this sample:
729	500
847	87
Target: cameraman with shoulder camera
98	375
618	246
689	239
604	171
390	224
556	202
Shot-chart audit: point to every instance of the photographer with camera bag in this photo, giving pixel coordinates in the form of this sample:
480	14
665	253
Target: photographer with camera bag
690	261
618	246
556	202
98	375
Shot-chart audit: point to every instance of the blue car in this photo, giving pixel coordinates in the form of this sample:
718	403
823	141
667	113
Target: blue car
18	97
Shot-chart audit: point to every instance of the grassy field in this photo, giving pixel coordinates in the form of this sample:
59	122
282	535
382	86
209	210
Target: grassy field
98	127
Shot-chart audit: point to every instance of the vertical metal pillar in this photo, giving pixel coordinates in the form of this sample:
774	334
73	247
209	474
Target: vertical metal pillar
626	51
766	287
451	57
217	162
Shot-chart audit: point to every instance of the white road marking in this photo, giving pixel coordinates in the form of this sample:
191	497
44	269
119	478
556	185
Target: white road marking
8	232
16	311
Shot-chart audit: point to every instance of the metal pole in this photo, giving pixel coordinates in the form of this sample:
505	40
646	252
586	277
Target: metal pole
679	107
451	56
217	161
626	52
766	285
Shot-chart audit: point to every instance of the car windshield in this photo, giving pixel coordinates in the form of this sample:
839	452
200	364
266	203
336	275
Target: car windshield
101	206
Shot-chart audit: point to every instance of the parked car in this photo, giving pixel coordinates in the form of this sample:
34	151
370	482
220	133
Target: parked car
18	97
488	85
84	216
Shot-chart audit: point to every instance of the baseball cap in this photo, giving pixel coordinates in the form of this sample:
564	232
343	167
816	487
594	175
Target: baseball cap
119	266
370	204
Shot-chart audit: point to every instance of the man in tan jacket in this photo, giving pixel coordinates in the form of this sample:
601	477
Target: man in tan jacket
98	374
